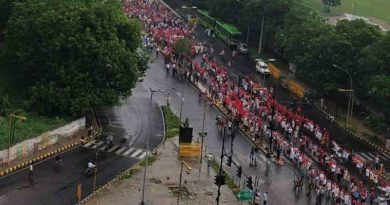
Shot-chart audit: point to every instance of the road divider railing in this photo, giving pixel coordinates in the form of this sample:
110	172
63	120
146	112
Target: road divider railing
42	157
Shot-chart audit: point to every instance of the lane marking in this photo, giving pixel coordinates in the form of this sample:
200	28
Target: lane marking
136	153
120	150
128	151
97	145
113	148
365	156
89	144
142	155
384	156
103	148
372	155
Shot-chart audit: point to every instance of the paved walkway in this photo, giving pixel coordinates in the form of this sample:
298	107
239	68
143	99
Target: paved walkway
162	175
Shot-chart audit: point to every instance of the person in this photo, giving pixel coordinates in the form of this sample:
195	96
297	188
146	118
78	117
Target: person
168	99
377	162
168	66
91	166
209	158
109	140
157	51
58	159
257	198
30	172
265	198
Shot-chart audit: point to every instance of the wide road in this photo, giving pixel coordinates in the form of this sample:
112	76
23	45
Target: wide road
279	180
129	120
243	65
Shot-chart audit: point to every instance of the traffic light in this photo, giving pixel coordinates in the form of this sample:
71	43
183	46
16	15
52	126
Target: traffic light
220	180
249	183
229	161
239	171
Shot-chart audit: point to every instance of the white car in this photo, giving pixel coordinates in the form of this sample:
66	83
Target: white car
262	67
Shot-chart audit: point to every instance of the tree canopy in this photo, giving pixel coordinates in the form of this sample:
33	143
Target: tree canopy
67	56
183	47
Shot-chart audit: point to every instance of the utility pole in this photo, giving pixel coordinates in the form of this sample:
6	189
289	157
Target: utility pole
147	142
202	138
180	179
220	165
247	34
97	131
261	34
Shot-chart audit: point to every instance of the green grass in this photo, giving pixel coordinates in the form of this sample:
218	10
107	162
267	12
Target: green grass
135	169
379	9
229	181
32	127
151	158
172	122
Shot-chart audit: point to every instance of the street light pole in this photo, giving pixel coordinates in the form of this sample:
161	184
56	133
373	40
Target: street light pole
181	177
202	138
220	165
261	34
180	94
147	142
350	101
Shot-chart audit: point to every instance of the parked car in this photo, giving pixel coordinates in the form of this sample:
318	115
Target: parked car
243	48
262	67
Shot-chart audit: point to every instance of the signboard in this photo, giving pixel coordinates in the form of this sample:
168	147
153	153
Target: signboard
245	195
189	150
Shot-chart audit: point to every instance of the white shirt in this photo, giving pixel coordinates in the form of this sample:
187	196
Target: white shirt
265	197
91	165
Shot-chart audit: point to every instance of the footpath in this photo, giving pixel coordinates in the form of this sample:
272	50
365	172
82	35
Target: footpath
162	183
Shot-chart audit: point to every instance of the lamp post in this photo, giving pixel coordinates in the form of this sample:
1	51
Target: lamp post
181	176
147	142
350	90
180	94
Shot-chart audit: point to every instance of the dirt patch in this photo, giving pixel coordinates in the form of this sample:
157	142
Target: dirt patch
180	191
332	20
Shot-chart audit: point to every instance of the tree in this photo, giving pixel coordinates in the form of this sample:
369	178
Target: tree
183	47
68	56
5	12
329	3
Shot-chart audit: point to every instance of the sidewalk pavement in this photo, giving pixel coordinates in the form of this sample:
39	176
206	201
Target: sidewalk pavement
162	176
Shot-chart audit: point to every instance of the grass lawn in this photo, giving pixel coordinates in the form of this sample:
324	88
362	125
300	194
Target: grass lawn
32	127
172	122
379	9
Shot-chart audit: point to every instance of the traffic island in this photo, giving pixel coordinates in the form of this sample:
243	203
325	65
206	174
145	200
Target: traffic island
162	183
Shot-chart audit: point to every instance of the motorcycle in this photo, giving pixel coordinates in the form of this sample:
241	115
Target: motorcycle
58	165
89	172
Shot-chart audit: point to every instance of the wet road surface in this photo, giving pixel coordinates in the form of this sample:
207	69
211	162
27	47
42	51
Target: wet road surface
129	120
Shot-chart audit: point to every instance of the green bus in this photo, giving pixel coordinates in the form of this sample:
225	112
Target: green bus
227	32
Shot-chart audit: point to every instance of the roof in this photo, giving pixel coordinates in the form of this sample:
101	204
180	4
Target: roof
228	27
